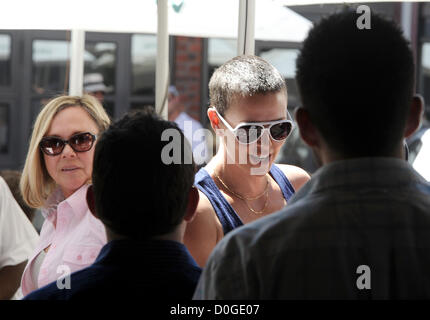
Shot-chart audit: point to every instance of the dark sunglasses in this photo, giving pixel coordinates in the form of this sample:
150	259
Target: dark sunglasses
249	132
80	142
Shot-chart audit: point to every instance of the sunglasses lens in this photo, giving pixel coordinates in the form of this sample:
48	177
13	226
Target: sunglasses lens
249	133
281	131
52	146
82	142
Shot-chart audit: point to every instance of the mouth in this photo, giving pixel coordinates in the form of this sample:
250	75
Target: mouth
69	169
257	159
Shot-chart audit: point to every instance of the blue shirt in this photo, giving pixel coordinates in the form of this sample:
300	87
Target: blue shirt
226	214
127	269
359	229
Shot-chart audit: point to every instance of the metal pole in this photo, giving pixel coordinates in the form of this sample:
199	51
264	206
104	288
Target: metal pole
246	29
162	61
77	49
406	19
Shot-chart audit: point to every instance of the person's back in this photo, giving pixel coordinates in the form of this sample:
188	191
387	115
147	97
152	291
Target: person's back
130	270
18	239
145	256
360	228
346	217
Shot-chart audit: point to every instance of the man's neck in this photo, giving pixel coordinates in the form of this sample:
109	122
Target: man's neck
326	156
176	235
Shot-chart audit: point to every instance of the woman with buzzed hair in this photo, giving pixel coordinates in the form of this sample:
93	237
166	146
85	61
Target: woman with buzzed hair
248	111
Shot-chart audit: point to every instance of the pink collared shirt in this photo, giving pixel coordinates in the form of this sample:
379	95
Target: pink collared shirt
74	235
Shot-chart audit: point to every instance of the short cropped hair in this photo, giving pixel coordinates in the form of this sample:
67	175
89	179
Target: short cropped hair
243	76
357	84
36	184
136	194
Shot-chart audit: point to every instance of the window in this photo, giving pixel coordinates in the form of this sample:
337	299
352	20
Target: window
5	64
4	127
143	56
50	72
284	60
100	57
220	51
425	71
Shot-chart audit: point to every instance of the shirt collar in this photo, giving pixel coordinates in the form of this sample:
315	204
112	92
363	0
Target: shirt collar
77	201
376	172
51	203
165	250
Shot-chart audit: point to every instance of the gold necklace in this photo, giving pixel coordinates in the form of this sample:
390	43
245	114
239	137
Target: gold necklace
245	199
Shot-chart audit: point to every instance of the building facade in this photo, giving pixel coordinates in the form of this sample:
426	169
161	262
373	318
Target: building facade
34	67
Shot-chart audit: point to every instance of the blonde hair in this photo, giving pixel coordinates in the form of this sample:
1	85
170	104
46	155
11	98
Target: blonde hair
36	184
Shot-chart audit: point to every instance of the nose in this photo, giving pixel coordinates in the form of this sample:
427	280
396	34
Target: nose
68	151
264	143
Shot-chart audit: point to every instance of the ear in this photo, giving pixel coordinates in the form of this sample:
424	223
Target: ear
308	131
193	200
414	117
213	117
177	99
91	201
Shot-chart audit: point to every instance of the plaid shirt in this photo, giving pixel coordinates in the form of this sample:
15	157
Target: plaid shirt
359	229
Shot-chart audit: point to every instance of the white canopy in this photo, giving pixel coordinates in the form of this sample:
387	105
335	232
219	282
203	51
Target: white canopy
195	18
198	18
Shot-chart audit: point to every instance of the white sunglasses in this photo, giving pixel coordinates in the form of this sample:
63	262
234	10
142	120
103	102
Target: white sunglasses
249	132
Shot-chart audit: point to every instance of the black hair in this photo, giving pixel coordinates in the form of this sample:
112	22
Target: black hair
357	84
12	178
136	194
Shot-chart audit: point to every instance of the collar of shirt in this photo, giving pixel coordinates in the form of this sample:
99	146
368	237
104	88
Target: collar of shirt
125	250
376	172
181	118
51	203
57	199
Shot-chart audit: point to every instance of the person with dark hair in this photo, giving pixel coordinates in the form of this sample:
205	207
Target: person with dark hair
12	178
191	128
360	228
145	256
94	86
241	183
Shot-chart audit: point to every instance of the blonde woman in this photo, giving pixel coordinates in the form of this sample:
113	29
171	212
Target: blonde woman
55	178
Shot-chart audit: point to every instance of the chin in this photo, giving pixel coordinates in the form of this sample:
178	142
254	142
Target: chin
72	187
261	168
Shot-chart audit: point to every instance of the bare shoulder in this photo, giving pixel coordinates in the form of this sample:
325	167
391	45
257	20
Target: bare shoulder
203	232
297	176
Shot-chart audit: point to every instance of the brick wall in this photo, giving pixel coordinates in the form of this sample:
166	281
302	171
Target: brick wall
188	73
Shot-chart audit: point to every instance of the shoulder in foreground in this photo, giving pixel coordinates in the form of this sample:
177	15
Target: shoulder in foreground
204	205
203	232
48	292
297	176
204	216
